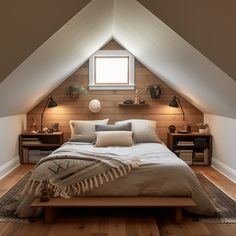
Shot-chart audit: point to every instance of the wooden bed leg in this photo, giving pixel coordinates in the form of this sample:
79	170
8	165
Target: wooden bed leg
178	215
50	214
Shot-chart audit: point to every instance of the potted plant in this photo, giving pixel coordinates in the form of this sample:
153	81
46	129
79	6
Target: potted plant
155	91
75	91
203	128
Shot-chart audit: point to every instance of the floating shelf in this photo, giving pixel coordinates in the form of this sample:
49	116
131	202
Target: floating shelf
133	105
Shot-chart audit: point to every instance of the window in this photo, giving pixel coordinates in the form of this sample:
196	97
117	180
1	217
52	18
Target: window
111	70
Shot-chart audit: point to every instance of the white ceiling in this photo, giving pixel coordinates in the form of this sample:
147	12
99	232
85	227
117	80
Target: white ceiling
152	42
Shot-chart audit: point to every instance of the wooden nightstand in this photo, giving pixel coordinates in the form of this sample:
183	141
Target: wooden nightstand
193	148
34	146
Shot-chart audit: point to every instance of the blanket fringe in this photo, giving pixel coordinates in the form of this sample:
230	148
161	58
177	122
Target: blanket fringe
35	187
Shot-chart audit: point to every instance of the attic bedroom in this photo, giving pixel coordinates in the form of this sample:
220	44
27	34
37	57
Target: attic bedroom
115	123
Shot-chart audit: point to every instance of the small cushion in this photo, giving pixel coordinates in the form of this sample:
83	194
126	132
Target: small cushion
121	127
114	138
144	130
84	130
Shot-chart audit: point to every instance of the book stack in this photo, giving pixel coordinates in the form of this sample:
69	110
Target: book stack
185	143
30	140
36	155
185	155
200	158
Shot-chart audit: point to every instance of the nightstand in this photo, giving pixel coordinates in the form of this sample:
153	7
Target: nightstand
193	148
34	146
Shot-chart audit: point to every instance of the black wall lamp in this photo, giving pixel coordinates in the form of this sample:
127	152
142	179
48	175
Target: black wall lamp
175	102
50	104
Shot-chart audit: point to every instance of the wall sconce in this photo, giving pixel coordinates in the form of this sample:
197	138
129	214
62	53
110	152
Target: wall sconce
95	106
175	102
50	103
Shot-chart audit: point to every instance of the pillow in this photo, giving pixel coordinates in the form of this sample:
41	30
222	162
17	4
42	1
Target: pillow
144	130
114	138
84	130
121	127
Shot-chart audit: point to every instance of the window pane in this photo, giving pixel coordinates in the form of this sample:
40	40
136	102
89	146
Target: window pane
111	70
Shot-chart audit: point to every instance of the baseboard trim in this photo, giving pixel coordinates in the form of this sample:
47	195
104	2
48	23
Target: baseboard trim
9	166
224	169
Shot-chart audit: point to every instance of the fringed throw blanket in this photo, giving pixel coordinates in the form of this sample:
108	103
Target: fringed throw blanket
71	172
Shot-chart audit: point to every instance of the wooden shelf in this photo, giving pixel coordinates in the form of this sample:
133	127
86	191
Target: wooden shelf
45	142
133	105
176	143
41	145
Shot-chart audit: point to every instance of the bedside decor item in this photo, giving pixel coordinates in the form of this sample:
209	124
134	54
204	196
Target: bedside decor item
50	130
95	106
128	101
172	129
136	97
175	102
75	91
55	126
33	127
155	91
50	104
203	128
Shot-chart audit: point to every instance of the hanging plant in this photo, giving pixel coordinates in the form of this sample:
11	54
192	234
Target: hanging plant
75	91
155	91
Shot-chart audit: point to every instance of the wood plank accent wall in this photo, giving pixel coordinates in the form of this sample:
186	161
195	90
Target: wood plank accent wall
69	109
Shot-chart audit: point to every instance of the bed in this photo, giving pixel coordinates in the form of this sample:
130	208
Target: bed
143	170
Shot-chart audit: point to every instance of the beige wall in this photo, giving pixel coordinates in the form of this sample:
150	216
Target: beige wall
223	131
10	127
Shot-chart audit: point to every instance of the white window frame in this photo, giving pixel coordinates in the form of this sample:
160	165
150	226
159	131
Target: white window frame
130	85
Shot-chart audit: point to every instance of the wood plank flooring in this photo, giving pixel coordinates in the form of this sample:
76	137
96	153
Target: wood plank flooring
118	225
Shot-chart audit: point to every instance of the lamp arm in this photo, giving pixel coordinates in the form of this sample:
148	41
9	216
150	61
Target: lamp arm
41	127
181	108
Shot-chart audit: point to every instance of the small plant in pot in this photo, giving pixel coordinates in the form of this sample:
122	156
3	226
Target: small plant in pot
155	91
75	91
203	128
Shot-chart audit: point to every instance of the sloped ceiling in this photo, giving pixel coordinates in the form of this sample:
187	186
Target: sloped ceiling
25	25
157	46
57	58
209	26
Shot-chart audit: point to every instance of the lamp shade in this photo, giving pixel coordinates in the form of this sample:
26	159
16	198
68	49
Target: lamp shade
174	102
51	103
95	106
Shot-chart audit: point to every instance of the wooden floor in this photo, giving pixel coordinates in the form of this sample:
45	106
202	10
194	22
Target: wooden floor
118	225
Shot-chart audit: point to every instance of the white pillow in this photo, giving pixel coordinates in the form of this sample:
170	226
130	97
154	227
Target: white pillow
114	138
84	130
145	131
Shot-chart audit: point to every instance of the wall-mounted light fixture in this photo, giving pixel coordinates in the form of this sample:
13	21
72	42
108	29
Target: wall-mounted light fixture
175	102
49	104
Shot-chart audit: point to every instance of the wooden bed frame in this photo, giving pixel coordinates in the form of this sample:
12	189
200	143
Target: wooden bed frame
94	202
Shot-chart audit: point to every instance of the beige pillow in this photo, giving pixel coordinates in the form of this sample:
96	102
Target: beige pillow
114	138
84	130
145	131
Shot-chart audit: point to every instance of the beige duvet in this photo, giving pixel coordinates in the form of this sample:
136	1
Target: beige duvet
161	173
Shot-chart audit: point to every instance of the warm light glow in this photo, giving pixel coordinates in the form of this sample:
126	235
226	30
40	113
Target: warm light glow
111	70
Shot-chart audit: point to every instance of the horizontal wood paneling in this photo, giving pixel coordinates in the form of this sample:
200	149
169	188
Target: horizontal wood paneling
69	109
